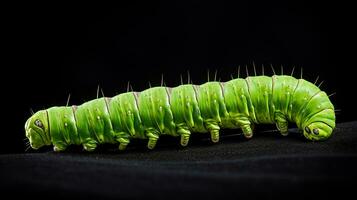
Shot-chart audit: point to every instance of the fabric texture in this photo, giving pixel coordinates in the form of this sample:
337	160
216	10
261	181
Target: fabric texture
266	166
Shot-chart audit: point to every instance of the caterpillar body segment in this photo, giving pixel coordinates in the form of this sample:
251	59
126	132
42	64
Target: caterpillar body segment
186	109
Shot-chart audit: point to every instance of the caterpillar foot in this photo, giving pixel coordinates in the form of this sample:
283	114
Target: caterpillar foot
246	126
213	128
123	143
185	135
89	146
281	123
152	143
153	137
58	148
283	128
284	133
184	140
247	132
214	136
122	146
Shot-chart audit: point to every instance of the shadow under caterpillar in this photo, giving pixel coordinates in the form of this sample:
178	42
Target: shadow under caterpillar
187	108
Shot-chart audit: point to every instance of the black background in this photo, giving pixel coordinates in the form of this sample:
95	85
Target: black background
57	49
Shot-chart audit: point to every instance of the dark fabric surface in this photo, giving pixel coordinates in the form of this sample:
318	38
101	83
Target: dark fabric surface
266	166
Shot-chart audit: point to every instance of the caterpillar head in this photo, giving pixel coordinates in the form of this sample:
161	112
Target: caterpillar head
320	125
37	130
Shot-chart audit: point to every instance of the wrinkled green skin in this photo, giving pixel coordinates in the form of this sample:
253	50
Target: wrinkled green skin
181	110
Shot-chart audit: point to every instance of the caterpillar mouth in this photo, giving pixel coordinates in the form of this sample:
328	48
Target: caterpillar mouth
35	138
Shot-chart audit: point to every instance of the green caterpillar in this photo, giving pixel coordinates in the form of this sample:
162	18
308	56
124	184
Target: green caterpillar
188	108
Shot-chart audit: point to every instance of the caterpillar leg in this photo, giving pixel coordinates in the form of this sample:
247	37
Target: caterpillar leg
122	138
213	128
59	147
185	136
247	131
90	145
281	123
152	143
153	137
123	143
246	126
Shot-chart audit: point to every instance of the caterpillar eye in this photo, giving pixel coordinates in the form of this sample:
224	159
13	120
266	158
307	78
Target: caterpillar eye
315	131
38	123
307	130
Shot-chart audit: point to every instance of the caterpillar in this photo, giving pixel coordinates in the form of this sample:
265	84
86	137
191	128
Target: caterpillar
185	109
